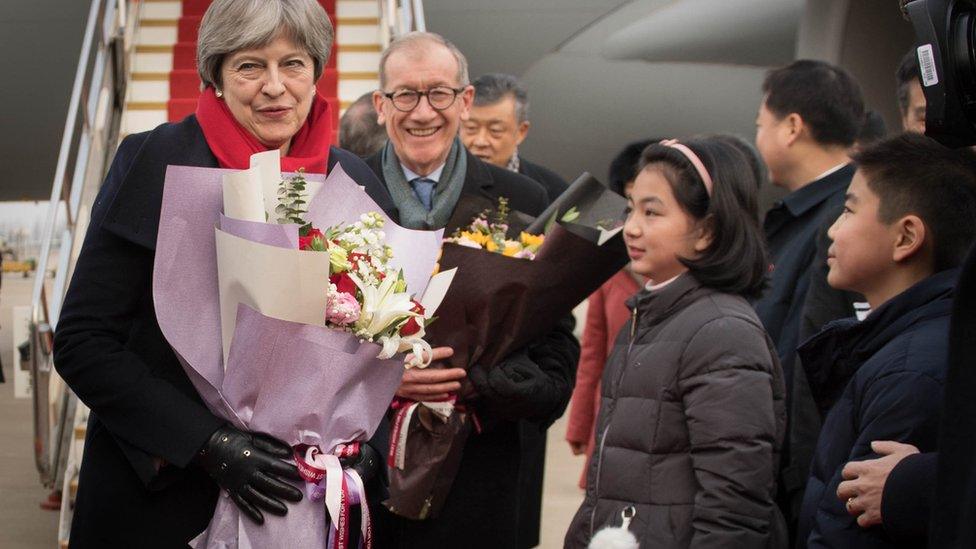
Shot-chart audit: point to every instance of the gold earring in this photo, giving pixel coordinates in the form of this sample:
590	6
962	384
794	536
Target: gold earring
219	94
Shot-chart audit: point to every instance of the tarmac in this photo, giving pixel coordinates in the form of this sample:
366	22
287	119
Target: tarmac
24	525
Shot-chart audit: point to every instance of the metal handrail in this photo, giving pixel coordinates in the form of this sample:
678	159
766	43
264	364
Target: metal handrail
90	133
398	17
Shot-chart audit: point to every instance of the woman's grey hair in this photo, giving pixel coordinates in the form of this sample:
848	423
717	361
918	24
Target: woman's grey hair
492	88
417	40
234	25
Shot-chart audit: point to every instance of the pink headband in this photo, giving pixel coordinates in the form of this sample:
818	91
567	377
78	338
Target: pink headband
695	161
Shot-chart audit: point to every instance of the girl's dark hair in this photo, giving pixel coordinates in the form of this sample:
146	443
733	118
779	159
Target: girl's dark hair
735	261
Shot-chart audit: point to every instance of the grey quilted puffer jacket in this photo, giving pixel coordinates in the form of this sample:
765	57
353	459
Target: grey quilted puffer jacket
691	422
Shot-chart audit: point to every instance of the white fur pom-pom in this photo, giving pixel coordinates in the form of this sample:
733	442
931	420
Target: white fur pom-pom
614	538
617	537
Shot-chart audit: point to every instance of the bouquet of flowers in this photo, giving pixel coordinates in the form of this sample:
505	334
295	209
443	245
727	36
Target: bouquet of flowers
291	330
488	231
499	303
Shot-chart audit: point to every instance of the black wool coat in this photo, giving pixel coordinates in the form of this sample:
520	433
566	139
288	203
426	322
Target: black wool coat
953	523
885	378
496	498
550	180
139	486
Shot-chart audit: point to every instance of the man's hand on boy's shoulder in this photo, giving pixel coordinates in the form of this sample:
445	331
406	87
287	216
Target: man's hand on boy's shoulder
864	481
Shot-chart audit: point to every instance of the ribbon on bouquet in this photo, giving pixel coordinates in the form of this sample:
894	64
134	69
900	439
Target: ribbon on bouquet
405	409
326	479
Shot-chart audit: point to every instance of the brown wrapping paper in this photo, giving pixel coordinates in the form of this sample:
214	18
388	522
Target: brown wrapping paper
497	305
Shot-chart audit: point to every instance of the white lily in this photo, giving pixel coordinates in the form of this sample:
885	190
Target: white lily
382	306
420	349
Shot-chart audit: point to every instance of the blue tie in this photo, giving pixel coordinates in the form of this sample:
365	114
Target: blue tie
424	189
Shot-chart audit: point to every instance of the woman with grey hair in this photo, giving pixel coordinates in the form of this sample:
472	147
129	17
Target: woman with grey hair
156	459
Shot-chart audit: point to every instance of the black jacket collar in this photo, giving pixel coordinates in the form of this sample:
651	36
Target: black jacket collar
832	357
803	200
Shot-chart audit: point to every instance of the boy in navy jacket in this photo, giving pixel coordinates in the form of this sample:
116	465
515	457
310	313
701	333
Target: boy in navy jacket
906	227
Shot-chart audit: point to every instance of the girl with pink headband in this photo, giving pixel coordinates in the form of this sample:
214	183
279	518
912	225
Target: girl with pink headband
692	414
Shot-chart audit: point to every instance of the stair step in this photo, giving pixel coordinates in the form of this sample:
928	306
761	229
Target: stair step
156	35
164	22
358	35
358	61
372	21
360	48
148	91
358	75
154	48
161	9
139	120
145	105
357	8
150	76
153	62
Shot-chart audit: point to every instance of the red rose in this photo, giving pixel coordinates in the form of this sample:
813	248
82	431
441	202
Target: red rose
305	242
343	283
412	326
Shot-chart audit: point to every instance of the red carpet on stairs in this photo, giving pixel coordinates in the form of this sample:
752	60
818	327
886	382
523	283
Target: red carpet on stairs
184	83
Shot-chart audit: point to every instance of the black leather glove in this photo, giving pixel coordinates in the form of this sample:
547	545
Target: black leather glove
366	463
249	467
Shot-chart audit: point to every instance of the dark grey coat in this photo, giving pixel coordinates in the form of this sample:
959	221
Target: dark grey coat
691	422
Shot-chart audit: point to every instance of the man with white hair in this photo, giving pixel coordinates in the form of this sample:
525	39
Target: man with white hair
425	170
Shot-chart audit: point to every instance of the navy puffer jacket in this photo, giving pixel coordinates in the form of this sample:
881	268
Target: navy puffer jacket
881	379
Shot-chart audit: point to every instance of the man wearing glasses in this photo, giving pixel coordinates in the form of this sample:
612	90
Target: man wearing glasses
424	171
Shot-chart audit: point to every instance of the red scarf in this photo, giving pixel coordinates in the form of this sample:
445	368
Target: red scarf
233	145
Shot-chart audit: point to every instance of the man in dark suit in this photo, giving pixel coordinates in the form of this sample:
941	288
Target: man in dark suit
498	124
807	123
424	172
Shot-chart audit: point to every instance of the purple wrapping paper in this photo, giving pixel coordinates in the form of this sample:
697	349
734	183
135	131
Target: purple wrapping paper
301	383
346	201
185	268
280	236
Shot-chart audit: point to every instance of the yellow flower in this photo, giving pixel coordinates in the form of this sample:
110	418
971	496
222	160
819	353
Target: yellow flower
481	238
491	246
511	248
531	240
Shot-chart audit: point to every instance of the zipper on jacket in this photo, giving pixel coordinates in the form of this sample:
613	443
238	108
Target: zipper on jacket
603	437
